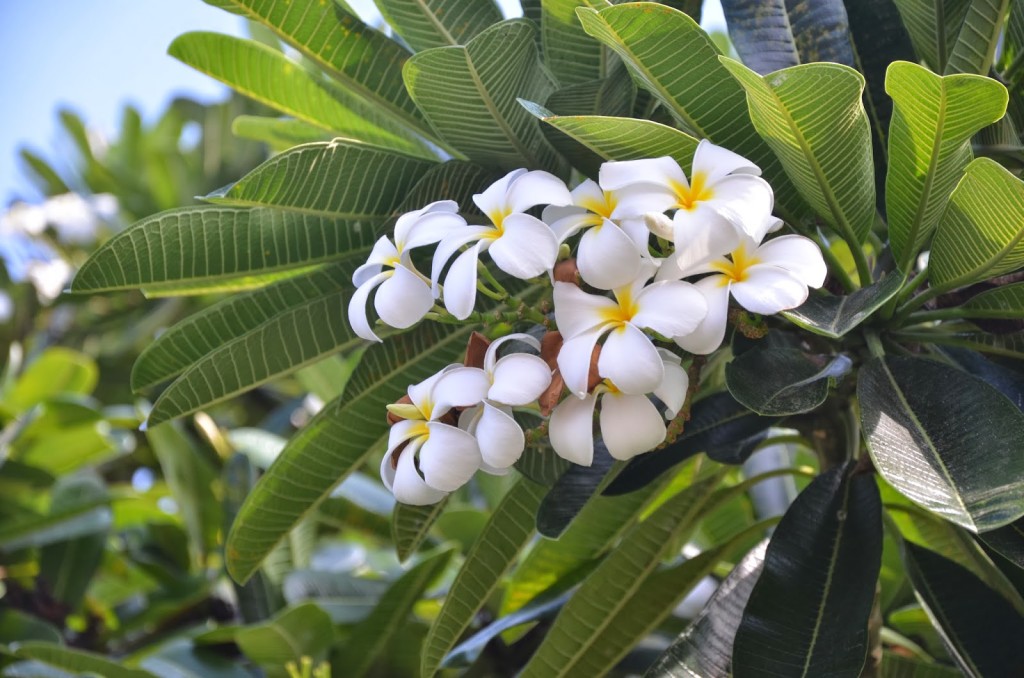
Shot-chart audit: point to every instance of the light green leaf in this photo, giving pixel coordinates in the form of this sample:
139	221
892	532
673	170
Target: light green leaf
361	59
469	95
278	133
411	524
223	286
509	530
975	44
573	56
661	45
56	371
933	121
77	661
813	117
302	631
370	637
438	23
327	378
335	442
211	245
981	232
1002	302
336	179
271	78
934	26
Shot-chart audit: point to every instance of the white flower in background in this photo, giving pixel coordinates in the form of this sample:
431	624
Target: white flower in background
723	198
630	424
403	293
614	240
521	245
628	358
76	218
765	279
426	458
49	278
6	307
515	380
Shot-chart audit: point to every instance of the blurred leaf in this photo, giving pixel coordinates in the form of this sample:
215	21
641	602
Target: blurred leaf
279	134
976	42
782	381
897	666
302	631
1008	541
326	379
834	317
506	534
929	147
346	598
257	601
77	661
411	524
934	26
438	23
48	179
181	659
370	637
55	372
1001	302
945	439
808	612
16	626
79	506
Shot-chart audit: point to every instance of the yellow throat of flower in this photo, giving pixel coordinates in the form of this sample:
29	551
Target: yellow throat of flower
624	311
687	197
602	208
736	269
497	218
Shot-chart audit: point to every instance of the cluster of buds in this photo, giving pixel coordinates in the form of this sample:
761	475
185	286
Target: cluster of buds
657	257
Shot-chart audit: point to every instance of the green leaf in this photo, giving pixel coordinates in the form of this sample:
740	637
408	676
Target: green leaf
438	23
569	646
17	626
705	647
335	442
573	56
897	666
257	601
303	631
835	316
540	464
813	117
45	176
370	637
268	76
980	235
207	245
365	62
1006	301
80	506
469	95
975	45
77	661
771	35
454	180
659	44
930	145
783	381
1008	541
57	371
506	534
979	628
808	612
182	659
945	439
573	490
279	134
934	26
338	179
410	526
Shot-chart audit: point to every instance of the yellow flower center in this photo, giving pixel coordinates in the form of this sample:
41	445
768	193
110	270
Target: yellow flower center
419	430
624	311
687	197
602	208
736	269
497	218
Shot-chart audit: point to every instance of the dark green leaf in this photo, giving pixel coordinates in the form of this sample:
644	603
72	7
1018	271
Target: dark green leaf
1006	301
80	506
1008	541
257	600
933	26
834	317
540	464
573	56
77	661
572	491
783	381
411	524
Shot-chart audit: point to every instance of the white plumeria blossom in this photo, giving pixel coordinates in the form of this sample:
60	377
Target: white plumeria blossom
766	279
723	199
630	424
433	458
615	240
628	357
403	293
515	380
520	245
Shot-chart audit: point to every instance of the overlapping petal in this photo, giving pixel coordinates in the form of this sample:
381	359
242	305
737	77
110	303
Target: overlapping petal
526	248
574	359
571	429
519	379
500	438
404	479
769	289
403	299
630	425
670	308
577	312
709	334
672	390
357	307
798	255
629	360
460	285
449	457
608	257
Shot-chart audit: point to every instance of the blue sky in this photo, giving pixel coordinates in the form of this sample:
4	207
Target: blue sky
96	55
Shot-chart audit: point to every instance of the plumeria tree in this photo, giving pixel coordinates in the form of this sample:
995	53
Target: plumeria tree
598	271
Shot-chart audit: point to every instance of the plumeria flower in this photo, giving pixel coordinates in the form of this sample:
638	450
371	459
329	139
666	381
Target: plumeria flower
515	380
521	245
615	236
403	293
765	279
427	458
630	424
628	358
724	198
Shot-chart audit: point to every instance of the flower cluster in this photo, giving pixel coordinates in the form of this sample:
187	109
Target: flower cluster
658	254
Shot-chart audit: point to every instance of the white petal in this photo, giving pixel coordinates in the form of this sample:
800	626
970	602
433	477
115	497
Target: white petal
469	418
588	193
447	248
637	231
382	254
449	458
662	171
709	334
401	432
671	308
460	285
526	248
405	481
403	299
500	438
574	359
577	312
630	425
519	379
716	162
431	228
672	390
798	255
421	394
491	356
571	429
746	201
637	200
495	197
357	307
630	361
566	221
607	257
769	289
536	188
701	235
458	387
